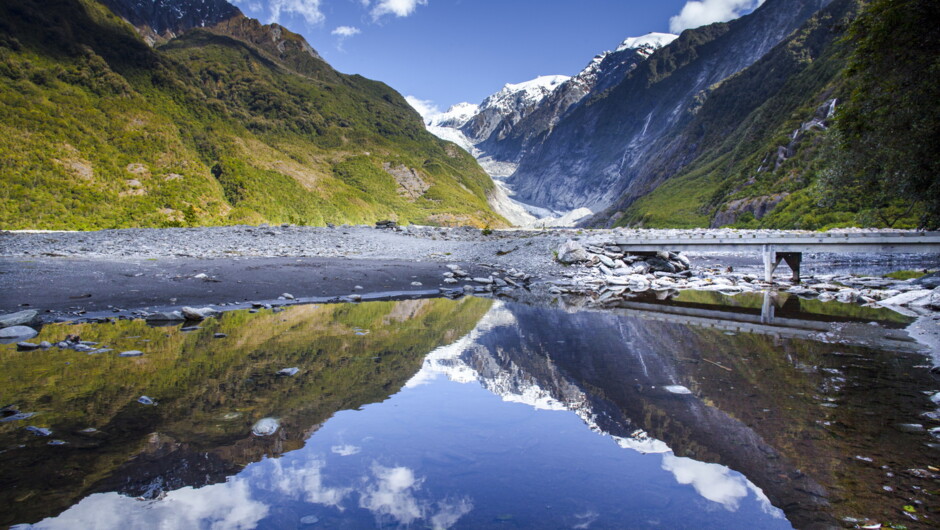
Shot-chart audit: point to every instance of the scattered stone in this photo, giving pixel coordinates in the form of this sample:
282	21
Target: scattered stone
18	332
486	281
287	296
18	416
265	427
416	284
355	297
288	371
131	353
220	335
26	346
39	431
57	442
144	400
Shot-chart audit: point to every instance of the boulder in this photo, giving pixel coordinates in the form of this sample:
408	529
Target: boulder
165	316
572	252
907	298
18	332
198	314
20	318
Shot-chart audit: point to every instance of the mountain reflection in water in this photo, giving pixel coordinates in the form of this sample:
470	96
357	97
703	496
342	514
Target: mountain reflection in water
519	416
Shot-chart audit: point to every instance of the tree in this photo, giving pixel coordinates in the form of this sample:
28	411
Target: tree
888	130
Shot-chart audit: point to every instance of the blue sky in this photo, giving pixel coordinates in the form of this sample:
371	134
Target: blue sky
448	51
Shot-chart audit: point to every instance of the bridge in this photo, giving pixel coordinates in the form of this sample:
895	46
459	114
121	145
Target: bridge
787	321
775	248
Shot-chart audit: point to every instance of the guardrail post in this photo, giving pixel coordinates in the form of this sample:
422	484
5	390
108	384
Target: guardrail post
771	260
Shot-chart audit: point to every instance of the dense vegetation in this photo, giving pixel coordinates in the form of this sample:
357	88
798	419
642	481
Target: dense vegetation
100	131
770	154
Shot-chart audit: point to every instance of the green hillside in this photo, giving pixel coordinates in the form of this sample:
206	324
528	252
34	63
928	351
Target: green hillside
760	162
101	131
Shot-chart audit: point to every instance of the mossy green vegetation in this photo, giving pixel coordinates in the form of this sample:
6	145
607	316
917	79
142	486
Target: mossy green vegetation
906	274
208	391
766	139
101	131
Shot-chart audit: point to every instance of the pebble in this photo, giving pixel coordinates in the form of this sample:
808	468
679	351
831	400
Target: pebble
144	400
288	371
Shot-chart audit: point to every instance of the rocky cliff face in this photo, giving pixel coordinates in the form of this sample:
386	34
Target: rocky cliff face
608	148
158	20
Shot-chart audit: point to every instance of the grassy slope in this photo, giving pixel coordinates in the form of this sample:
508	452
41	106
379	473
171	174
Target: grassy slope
100	131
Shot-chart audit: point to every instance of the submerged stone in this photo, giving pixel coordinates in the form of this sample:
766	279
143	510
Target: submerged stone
265	427
39	431
677	389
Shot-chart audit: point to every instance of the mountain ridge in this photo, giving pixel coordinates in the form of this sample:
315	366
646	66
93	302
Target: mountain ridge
234	123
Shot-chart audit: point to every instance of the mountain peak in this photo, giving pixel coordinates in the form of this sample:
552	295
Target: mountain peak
162	19
650	40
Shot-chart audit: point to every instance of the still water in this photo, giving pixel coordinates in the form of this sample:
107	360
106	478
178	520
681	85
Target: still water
705	412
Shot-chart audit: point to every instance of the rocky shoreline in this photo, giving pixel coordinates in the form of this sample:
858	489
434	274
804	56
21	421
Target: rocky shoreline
149	271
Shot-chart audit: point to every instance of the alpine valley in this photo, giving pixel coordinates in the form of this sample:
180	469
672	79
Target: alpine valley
733	123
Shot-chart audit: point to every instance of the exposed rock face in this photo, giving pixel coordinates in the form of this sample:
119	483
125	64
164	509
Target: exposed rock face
156	19
605	71
758	206
410	183
600	151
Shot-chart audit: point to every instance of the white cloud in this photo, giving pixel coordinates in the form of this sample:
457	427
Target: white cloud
309	9
346	450
426	108
399	8
697	13
346	31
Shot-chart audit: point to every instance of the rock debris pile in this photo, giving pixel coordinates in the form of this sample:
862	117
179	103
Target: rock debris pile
605	274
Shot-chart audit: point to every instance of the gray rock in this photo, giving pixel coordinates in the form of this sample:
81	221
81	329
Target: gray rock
26	346
165	316
288	371
572	252
39	431
930	281
131	353
907	298
45	345
17	417
18	332
144	400
607	262
485	281
220	335
265	427
288	296
21	318
198	314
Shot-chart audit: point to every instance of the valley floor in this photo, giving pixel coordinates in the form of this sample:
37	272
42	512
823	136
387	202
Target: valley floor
132	272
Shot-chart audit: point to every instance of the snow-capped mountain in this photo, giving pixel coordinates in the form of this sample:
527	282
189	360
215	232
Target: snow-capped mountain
499	130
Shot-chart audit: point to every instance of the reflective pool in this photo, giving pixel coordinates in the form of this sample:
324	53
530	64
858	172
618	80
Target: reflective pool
473	414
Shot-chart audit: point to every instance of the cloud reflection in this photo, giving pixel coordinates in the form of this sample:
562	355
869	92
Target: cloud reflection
390	494
717	483
222	506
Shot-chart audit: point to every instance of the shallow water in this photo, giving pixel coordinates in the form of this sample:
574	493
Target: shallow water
476	413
